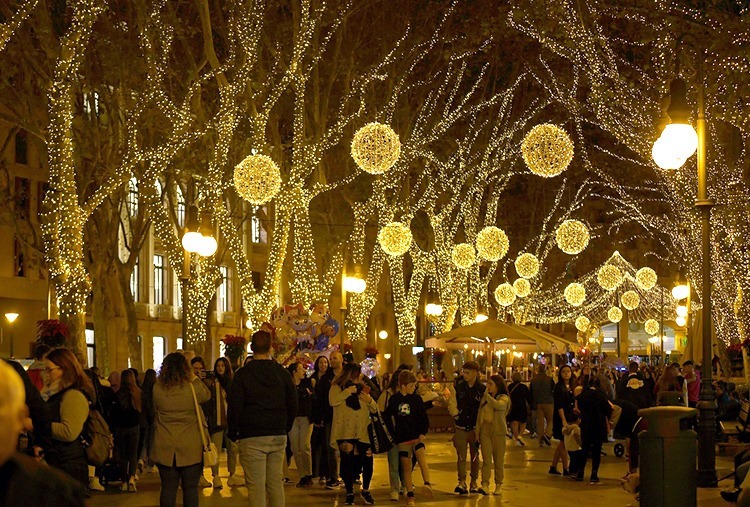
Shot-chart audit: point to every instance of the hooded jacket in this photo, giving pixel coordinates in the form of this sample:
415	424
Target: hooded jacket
262	401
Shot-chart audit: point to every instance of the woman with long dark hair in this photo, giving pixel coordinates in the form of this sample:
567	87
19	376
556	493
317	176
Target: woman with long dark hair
69	393
147	413
520	401
178	449
301	432
224	374
321	382
595	412
493	430
563	410
126	421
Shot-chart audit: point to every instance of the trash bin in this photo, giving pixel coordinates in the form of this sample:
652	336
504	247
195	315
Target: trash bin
667	458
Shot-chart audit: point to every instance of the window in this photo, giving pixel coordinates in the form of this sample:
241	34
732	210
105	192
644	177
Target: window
22	147
132	199
180	343
159	279
90	348
255	226
159	351
181	207
134	279
222	349
222	301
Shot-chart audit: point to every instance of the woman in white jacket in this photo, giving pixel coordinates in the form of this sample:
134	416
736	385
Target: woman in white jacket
493	430
351	402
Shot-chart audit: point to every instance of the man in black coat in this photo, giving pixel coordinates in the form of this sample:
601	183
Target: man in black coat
38	413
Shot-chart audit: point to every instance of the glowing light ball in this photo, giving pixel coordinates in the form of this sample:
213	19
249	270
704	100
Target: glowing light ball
645	278
630	300
505	295
572	237
375	148
575	294
614	314
609	277
395	239
547	150
522	287
527	265
463	255
492	243
257	179
651	326
582	323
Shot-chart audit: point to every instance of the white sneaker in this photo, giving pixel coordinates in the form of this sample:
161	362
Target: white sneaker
151	469
235	481
204	482
131	486
217	483
394	496
498	491
95	485
124	487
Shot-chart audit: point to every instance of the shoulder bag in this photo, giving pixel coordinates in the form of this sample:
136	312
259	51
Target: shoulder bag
210	452
380	437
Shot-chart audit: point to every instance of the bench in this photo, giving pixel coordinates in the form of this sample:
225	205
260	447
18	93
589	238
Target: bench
738	428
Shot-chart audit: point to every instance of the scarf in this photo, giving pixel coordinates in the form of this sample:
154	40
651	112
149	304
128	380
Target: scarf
353	400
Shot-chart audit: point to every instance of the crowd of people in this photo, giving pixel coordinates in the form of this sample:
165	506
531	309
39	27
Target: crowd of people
264	415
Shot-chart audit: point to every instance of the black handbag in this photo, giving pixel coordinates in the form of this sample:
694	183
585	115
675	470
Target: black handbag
380	438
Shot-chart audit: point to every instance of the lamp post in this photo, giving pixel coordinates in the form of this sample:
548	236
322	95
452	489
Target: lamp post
11	316
677	143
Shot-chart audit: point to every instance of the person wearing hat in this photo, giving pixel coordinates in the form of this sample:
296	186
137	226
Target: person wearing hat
463	405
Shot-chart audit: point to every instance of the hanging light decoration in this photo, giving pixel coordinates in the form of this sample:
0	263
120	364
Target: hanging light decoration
575	294
547	150
572	237
375	148
680	321
582	323
527	265
505	295
651	326
630	300
492	243
522	287
257	179
681	310
395	239
645	278
463	255
614	314
609	277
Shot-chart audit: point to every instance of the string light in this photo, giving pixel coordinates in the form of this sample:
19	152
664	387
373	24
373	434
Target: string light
651	326
547	150
583	323
505	295
527	265
375	148
630	300
614	314
395	238
645	278
463	255
257	179
522	287
609	277
492	243
575	294
572	237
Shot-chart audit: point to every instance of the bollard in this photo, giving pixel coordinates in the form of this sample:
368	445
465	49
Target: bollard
667	458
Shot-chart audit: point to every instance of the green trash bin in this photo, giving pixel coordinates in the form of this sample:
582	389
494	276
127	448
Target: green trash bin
667	458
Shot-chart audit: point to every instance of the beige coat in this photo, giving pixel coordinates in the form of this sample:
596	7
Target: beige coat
178	439
348	424
493	411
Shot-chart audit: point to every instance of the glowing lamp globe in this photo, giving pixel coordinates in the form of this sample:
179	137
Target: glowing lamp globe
582	323
609	277
383	335
681	139
354	284
572	237
680	321
664	157
653	340
527	265
630	300
547	150
395	239
463	255
433	309
651	326
208	246
480	317
191	241
681	311
505	295
492	243
614	314
257	179
681	291
522	287
575	294
645	278
375	148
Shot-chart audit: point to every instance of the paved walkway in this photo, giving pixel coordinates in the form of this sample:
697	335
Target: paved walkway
526	484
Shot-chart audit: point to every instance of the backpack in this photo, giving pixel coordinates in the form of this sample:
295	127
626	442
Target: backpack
97	439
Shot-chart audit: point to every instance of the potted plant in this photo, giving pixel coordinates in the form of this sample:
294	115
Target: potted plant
51	332
234	347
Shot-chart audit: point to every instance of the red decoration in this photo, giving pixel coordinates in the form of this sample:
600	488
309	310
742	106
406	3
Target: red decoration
51	332
371	352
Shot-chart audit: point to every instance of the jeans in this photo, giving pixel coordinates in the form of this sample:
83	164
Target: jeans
544	413
333	459
262	459
320	447
126	442
394	469
493	452
172	477
461	439
219	439
299	437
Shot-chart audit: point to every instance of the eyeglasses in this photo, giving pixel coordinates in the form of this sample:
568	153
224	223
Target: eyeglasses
49	370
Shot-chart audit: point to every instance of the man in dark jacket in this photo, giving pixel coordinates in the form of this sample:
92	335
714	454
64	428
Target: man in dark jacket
38	413
634	389
542	388
262	404
463	405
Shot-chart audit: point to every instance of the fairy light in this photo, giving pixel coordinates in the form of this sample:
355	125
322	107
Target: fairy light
395	238
583	323
651	326
527	265
505	295
522	287
547	150
257	179
463	255
630	300
609	277
614	315
645	278
572	237
375	148
492	243
575	294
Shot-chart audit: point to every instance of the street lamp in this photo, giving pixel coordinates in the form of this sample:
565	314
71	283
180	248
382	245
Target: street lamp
11	316
355	283
383	335
678	142
480	317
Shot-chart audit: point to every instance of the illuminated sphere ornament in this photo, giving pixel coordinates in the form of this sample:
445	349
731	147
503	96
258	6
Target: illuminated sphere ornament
572	237
645	278
395	239
522	287
651	326
575	294
463	255
375	148
547	150
609	277
614	314
492	243
582	323
257	179
527	265
505	295
630	300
